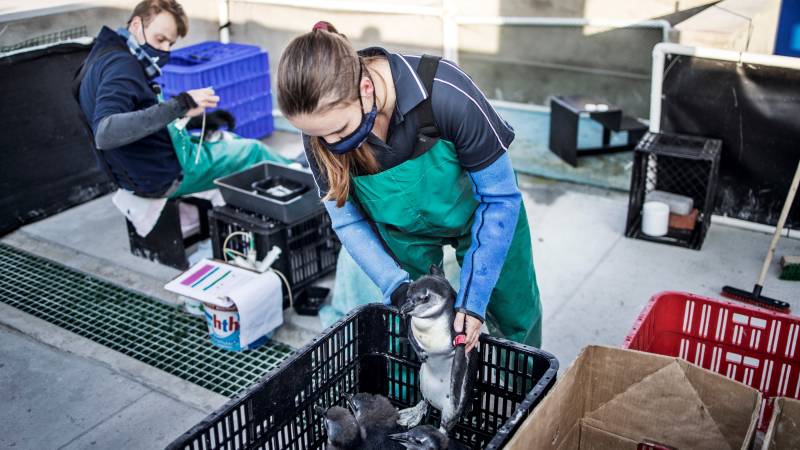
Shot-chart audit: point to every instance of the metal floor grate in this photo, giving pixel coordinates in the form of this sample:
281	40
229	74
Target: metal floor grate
130	323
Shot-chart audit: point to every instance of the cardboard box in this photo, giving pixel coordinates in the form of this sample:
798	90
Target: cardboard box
784	428
616	398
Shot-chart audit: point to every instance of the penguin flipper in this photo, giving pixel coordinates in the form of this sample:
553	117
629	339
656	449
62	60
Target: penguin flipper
421	354
462	378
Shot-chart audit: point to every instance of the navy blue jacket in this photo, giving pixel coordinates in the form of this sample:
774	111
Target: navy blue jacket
116	83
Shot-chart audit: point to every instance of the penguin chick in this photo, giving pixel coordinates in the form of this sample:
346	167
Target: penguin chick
447	372
373	412
342	428
425	437
377	418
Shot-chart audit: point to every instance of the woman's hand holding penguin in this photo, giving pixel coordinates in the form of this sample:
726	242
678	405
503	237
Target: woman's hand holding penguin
473	329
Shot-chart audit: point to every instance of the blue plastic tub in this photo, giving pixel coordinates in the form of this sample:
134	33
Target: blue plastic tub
212	64
238	73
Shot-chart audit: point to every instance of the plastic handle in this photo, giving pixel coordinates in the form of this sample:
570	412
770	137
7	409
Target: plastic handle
787	205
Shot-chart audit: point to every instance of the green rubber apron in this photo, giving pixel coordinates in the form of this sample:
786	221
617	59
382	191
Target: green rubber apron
217	159
427	202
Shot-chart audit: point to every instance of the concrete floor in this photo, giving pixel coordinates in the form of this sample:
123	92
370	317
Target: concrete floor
64	391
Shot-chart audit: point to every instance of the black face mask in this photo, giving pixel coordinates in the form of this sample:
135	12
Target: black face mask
160	57
354	140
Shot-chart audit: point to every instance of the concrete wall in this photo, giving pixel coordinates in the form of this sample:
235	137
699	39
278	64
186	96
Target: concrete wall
21	25
516	63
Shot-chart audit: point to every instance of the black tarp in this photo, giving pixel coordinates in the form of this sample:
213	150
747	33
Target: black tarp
46	162
755	110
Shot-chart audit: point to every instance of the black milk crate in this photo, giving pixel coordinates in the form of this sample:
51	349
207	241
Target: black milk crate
680	164
309	246
367	351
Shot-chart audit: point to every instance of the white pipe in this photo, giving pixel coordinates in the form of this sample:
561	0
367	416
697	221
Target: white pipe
729	55
752	226
449	31
354	6
656	81
224	21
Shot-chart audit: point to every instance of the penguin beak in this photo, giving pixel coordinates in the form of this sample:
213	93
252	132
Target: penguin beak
320	411
407	307
399	437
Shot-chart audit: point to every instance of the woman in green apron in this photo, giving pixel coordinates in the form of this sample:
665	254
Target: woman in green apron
410	157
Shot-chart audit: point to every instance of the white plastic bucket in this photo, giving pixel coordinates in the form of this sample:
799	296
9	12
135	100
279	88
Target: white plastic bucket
655	218
223	328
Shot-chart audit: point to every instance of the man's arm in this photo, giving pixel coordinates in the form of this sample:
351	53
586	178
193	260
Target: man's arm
121	87
119	129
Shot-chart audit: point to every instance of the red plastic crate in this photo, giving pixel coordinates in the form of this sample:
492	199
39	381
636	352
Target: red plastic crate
751	345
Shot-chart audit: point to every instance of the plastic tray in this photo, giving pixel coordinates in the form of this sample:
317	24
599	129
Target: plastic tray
237	191
365	352
751	345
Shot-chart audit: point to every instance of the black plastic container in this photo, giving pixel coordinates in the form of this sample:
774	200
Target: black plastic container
250	190
680	164
310	301
309	246
366	352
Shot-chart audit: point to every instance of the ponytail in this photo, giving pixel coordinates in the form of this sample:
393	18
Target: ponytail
323	65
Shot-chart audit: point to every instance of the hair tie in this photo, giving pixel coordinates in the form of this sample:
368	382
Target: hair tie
321	25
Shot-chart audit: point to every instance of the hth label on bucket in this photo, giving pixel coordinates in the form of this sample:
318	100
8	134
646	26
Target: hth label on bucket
223	328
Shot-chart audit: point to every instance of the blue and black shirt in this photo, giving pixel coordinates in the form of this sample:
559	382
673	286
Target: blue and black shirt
481	138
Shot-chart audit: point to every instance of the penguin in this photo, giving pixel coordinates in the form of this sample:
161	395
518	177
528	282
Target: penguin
377	419
425	437
447	372
215	122
341	427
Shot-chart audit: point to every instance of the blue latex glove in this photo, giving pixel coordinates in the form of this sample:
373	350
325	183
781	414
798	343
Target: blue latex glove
366	248
495	220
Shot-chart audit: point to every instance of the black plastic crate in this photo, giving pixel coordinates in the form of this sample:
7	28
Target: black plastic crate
680	164
309	246
367	352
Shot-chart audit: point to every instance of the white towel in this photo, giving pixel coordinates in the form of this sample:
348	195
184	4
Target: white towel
142	212
260	305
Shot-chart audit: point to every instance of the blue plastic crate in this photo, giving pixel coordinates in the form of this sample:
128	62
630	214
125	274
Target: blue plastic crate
238	73
237	91
213	64
257	128
251	116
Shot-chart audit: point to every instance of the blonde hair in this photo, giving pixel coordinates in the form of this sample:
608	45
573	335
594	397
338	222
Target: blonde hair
323	64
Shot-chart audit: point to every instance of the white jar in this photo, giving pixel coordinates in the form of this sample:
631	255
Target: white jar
655	218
